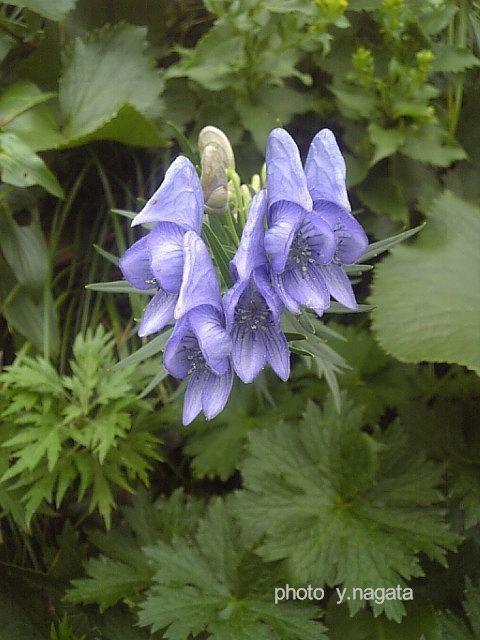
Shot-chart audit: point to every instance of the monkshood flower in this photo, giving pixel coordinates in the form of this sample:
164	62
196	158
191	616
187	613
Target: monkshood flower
252	308
156	261
199	347
311	232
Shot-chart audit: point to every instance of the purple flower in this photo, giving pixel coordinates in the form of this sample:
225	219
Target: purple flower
325	172
252	308
311	231
156	261
200	346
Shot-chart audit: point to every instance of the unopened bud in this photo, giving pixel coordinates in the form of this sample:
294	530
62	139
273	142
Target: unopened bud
255	183
216	156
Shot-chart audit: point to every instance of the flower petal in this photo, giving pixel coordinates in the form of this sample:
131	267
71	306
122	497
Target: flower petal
277	282
248	352
192	401
135	265
158	313
285	220
307	289
166	247
251	251
175	358
325	170
278	354
199	282
231	298
216	391
338	284
214	341
263	284
179	198
320	237
286	179
350	237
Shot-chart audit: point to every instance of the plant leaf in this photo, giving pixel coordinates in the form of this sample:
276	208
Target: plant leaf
427	295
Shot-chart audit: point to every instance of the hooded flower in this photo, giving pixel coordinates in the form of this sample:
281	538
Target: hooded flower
311	232
156	261
325	172
199	346
252	308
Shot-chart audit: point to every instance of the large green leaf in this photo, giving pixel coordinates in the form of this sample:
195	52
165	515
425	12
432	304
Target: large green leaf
20	97
52	9
25	250
427	295
343	507
108	87
21	166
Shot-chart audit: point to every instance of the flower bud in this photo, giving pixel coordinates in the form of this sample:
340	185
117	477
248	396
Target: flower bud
216	156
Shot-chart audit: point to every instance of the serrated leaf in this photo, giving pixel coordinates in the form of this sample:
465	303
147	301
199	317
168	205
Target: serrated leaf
342	507
385	141
427	295
107	83
431	144
215	584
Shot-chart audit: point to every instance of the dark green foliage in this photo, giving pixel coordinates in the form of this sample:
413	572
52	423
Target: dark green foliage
216	584
363	470
341	506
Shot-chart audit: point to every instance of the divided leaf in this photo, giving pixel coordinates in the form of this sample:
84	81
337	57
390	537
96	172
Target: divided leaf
341	506
215	584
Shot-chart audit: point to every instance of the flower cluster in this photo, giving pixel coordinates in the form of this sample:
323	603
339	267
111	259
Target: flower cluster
298	235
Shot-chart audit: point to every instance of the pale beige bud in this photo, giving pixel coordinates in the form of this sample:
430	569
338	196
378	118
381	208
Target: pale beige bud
216	156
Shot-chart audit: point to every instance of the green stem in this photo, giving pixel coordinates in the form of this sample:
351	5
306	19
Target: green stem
231	227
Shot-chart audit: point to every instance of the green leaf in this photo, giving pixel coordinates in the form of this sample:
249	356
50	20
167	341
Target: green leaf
385	141
25	250
116	286
384	196
38	128
123	571
219	255
431	144
51	9
343	507
218	446
420	623
376	248
108	87
427	295
449	59
22	167
152	348
126	125
454	628
108	582
215	584
18	98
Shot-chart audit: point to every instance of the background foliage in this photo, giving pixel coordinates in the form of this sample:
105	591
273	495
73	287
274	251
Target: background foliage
117	523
